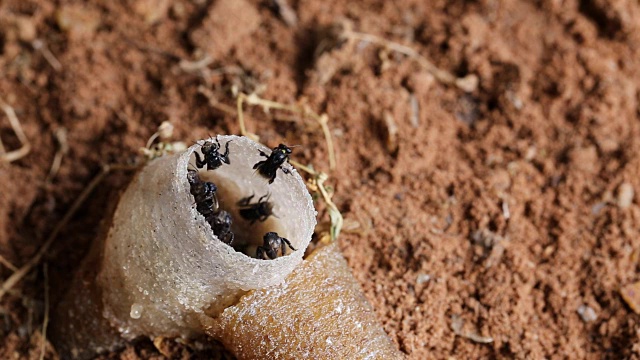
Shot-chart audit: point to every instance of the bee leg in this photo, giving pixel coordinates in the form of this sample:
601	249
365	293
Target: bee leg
225	157
245	200
199	162
288	244
229	238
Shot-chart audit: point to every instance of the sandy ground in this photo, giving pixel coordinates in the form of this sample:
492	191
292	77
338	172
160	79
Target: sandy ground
506	212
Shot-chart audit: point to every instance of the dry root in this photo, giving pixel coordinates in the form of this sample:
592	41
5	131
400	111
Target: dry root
63	149
342	32
164	146
25	147
303	111
20	273
316	184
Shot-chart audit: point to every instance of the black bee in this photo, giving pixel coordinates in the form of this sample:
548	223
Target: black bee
212	157
207	205
268	168
273	247
204	193
259	211
221	226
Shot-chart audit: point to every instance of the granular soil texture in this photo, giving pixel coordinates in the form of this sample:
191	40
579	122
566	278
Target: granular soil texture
498	223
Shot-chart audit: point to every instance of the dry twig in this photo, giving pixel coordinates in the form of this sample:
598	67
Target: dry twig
25	147
7	263
285	11
40	46
303	111
195	66
319	178
468	83
318	182
26	268
63	149
164	146
457	325
45	322
255	100
214	103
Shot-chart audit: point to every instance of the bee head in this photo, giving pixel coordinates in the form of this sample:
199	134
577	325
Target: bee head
284	148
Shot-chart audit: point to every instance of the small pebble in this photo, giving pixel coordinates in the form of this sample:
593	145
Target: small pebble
587	314
631	295
136	311
423	278
595	210
625	195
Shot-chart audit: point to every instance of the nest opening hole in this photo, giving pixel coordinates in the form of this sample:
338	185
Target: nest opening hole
237	181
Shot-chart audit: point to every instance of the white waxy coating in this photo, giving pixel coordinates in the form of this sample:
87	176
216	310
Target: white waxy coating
164	261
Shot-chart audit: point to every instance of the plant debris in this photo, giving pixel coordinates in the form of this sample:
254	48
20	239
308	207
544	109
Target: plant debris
457	325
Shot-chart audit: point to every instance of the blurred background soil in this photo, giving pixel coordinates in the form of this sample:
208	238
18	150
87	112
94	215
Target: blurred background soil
496	223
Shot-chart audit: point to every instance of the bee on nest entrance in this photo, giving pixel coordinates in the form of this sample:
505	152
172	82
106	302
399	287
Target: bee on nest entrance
242	209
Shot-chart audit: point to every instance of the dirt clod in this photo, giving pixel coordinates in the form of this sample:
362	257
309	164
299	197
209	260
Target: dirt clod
227	24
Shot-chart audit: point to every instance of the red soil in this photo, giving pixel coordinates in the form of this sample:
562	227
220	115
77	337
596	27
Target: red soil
498	207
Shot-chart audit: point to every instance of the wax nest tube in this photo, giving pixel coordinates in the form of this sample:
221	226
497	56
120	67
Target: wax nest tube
160	264
319	312
158	270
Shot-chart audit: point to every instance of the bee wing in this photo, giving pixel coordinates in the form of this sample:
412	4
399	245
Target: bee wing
259	164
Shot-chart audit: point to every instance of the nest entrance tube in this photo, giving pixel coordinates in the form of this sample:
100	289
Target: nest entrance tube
159	270
319	312
239	180
160	265
248	235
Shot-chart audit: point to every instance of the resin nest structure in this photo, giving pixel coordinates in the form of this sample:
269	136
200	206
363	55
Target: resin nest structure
158	269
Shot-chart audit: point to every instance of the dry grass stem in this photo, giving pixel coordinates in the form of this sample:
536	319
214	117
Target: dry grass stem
303	111
63	149
45	322
164	146
243	129
285	11
25	147
318	177
391	132
415	111
20	273
335	216
214	103
7	263
195	66
468	83
40	46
